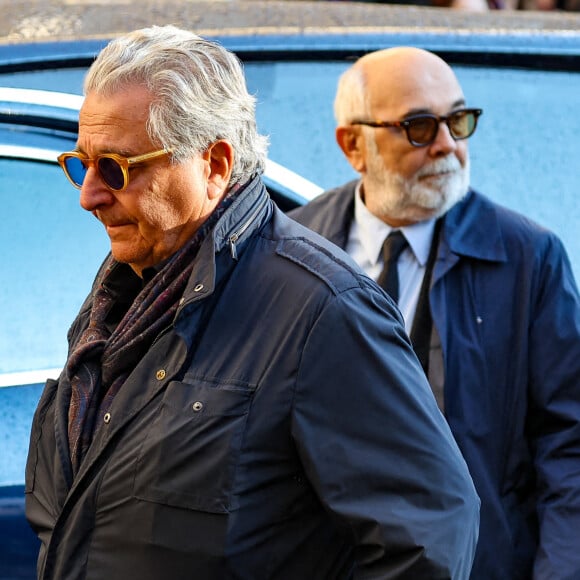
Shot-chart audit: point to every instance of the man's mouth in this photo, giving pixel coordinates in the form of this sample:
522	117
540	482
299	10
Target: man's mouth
113	227
436	174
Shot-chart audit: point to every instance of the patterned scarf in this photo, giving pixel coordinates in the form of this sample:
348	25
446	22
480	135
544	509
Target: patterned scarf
101	361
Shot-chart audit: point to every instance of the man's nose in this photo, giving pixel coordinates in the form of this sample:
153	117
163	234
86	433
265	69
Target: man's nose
94	192
444	143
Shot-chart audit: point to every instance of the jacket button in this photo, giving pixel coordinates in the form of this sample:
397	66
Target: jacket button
160	374
107	418
198	288
197	406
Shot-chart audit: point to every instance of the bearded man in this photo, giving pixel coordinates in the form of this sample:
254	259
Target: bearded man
488	297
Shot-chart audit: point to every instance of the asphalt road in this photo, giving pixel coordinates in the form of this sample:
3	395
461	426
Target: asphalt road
32	20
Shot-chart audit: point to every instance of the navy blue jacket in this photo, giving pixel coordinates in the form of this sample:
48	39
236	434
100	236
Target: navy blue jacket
281	428
507	310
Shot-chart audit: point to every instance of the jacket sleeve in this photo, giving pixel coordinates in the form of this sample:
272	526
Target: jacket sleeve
376	447
554	416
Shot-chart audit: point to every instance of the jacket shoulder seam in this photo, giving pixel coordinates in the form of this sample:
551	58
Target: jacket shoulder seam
321	263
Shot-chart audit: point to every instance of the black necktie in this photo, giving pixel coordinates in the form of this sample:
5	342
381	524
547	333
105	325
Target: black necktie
388	279
423	324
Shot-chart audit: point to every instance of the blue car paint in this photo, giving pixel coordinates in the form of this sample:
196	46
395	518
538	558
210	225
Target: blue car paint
18	545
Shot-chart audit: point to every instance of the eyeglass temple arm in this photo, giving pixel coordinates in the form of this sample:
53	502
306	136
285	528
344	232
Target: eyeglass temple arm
145	156
378	123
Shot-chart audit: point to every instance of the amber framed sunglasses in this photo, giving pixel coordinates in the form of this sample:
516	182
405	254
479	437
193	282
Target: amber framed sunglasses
113	169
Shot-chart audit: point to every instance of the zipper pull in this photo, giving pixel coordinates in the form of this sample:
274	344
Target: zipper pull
232	240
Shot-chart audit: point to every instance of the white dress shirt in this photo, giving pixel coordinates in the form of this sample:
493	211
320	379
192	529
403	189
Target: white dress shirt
365	242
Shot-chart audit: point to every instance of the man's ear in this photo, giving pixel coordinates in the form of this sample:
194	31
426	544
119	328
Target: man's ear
220	156
351	140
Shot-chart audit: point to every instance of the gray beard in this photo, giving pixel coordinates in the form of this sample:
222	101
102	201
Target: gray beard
412	200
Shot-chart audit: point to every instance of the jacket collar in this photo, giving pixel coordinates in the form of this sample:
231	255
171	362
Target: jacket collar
343	197
244	215
247	213
471	229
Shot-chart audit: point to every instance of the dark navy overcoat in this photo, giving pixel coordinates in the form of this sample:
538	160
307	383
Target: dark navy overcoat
506	307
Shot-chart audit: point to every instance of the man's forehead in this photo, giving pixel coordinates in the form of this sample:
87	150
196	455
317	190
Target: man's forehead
114	122
403	90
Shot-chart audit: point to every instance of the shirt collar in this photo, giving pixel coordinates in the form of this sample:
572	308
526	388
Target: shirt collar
372	233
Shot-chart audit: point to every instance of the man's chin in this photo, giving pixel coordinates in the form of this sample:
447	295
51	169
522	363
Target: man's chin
122	253
434	204
426	210
421	214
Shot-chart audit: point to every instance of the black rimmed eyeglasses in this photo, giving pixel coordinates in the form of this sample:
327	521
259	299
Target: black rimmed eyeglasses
422	129
113	169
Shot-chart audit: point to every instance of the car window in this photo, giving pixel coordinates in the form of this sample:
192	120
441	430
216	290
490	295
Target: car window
52	250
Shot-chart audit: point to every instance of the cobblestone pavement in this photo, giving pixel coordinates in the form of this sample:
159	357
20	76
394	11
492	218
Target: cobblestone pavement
31	20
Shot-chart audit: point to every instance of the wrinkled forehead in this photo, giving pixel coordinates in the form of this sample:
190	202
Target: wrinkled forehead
115	122
412	83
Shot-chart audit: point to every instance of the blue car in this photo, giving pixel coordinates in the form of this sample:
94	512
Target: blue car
524	155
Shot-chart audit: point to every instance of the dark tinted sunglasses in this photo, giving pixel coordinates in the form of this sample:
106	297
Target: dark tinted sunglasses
113	169
422	129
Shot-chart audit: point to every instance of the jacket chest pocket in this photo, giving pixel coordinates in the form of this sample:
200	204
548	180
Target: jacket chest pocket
190	452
